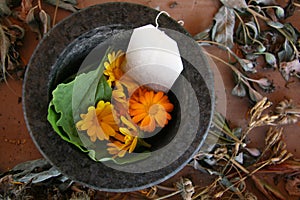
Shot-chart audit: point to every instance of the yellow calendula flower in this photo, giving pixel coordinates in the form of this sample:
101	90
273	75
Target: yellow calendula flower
150	109
99	122
124	141
113	67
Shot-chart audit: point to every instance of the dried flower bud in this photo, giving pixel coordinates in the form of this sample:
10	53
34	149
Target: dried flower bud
247	65
187	188
239	90
289	113
254	95
265	84
220	153
271	59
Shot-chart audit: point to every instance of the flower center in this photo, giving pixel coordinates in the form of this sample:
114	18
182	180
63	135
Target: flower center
154	109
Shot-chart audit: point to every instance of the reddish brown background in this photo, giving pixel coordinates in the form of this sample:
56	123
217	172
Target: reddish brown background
16	145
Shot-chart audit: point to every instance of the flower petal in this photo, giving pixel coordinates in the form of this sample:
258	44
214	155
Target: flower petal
136	119
133	145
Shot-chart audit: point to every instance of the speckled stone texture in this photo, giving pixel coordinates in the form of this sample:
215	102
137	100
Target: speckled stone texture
66	45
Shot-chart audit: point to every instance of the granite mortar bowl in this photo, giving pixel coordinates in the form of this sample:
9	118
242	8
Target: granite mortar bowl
60	54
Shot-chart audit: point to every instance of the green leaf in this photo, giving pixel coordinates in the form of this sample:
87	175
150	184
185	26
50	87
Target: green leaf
222	31
103	156
60	115
130	158
104	91
88	88
73	98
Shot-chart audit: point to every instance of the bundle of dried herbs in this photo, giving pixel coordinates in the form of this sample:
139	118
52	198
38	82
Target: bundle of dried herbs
252	30
16	17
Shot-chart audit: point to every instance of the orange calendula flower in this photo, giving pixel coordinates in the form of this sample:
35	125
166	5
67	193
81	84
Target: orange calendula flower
113	67
125	141
150	109
99	122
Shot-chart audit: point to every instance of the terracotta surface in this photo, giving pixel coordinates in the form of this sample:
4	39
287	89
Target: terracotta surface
16	145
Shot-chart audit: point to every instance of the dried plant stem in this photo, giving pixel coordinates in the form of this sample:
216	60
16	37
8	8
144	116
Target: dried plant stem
227	133
166	188
219	136
237	164
55	13
248	175
246	30
296	4
169	195
207	189
236	71
40	5
226	63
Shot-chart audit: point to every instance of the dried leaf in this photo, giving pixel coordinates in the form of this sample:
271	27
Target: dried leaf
261	48
63	4
274	24
204	35
292	33
265	2
236	4
74	2
254	95
253	27
240	158
4	9
4	48
39	177
266	189
270	59
26	6
238	132
32	22
223	28
29	166
287	54
45	19
289	69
